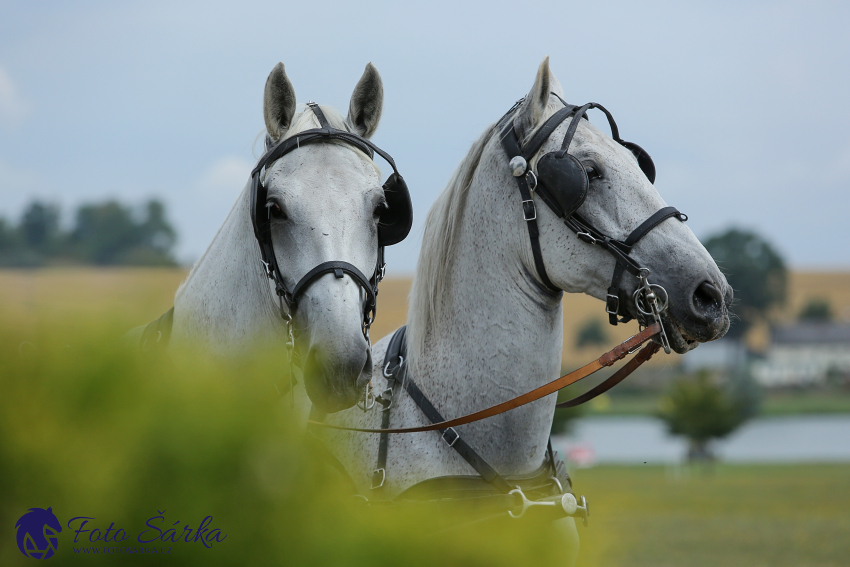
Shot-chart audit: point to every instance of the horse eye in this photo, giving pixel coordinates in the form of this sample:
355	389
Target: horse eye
380	208
275	211
591	172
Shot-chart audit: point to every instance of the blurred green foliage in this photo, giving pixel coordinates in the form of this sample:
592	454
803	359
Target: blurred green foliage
756	272
591	333
816	310
700	409
93	428
103	234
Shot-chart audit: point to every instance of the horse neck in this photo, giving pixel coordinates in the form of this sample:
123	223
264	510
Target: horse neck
226	303
497	333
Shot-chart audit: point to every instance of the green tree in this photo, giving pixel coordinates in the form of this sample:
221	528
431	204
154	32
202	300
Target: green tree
816	310
755	271
701	410
39	227
108	234
10	246
591	333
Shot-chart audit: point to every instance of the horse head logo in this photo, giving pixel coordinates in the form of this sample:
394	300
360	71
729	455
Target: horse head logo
38	533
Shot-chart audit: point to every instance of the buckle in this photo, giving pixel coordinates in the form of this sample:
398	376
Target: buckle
391	373
529	211
587	237
386	399
268	269
375	476
612	304
453	439
531	180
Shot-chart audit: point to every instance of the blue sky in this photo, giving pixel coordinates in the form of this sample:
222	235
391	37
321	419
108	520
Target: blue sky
742	105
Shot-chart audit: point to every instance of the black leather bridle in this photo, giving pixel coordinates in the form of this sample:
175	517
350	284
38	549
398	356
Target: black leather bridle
393	227
561	182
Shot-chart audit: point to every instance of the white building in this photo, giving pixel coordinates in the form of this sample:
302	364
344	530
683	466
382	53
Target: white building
804	354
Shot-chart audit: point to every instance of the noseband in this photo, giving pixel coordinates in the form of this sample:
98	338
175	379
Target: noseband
394	226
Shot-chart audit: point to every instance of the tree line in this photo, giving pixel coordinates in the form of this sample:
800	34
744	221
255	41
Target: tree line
104	234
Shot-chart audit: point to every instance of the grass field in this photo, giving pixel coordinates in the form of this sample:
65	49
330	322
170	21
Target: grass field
773	404
771	516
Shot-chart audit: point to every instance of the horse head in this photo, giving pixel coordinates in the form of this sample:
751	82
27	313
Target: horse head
325	212
601	187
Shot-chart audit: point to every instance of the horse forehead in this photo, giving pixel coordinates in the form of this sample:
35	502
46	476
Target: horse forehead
325	167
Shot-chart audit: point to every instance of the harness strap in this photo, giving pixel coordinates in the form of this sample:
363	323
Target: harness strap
394	371
262	228
615	302
453	439
338	268
510	143
607	359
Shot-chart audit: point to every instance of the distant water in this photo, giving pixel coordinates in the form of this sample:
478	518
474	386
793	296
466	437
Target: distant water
798	439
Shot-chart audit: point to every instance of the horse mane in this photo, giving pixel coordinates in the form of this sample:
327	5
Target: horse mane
439	241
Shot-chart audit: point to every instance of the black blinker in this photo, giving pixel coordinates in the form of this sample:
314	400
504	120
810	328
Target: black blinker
564	179
644	161
397	219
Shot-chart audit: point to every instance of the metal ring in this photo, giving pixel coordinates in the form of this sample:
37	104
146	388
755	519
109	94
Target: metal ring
525	503
661	306
638	298
557	482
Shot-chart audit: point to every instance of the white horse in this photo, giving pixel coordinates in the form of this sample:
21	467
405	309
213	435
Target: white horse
482	327
324	201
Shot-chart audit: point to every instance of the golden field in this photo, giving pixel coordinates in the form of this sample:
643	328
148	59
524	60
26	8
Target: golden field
31	297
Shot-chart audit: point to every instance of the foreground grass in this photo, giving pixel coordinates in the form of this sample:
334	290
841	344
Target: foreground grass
793	515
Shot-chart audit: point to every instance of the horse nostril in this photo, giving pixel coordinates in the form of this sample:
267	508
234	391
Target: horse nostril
707	299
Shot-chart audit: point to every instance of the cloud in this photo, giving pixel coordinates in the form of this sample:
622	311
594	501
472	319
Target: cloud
200	211
14	109
224	178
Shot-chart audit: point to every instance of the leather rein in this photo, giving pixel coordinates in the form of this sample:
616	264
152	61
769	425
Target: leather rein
617	353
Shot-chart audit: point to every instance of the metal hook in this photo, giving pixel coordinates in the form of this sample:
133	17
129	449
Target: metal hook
368	398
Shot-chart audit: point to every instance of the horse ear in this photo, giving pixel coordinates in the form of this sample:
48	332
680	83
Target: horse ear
278	103
367	102
538	98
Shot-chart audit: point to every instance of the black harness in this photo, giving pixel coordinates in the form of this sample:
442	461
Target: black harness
561	182
490	493
394	225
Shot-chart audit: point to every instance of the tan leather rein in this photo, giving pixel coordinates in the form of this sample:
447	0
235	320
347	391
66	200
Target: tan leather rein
618	352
